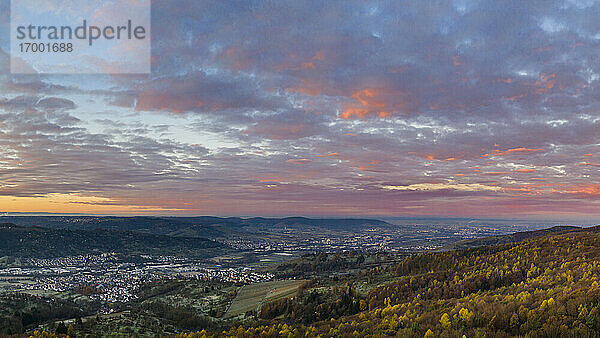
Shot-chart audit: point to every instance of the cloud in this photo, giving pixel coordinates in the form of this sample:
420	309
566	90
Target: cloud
202	92
525	170
378	102
442	186
322	107
520	150
33	103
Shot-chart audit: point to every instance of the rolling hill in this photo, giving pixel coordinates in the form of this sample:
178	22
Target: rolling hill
38	242
202	226
512	238
207	226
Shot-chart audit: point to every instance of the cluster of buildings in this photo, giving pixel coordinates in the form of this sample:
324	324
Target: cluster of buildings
112	279
236	275
289	240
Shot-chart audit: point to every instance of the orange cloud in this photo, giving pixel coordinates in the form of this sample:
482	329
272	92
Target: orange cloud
443	186
307	65
365	97
269	180
521	150
592	190
369	167
295	59
515	97
456	60
431	157
525	170
327	155
374	102
546	83
298	160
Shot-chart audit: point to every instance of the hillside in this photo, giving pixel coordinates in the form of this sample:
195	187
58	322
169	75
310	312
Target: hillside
202	226
545	286
38	242
510	238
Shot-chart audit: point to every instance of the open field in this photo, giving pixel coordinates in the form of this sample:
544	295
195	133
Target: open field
250	297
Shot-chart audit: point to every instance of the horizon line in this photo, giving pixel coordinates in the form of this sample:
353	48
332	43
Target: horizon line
377	217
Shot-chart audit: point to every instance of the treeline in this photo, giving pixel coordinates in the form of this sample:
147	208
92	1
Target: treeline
181	317
314	305
21	312
328	263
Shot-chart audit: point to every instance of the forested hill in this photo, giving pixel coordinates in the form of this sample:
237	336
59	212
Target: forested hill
201	226
544	286
19	241
512	238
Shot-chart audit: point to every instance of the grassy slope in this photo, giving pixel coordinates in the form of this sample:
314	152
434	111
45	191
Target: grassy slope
250	297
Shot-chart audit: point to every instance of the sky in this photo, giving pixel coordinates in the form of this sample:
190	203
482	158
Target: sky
339	108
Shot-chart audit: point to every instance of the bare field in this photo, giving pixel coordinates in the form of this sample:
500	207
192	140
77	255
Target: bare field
250	297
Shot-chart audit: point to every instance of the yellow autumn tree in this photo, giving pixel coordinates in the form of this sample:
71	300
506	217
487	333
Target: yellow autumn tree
445	320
